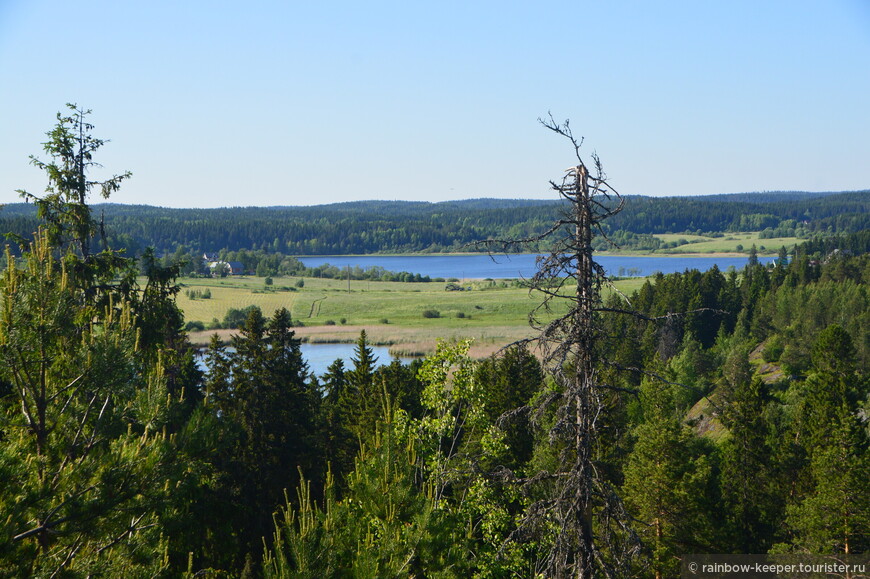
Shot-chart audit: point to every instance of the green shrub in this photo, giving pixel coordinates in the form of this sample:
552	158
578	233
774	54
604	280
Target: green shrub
235	318
773	349
194	326
793	360
431	314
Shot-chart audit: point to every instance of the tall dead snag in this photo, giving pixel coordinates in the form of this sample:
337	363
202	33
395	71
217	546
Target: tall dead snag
586	527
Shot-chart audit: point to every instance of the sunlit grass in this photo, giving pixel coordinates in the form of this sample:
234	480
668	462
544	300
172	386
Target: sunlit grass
669	237
727	244
481	305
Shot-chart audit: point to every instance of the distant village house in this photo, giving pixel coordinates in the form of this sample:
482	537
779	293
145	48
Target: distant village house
219	268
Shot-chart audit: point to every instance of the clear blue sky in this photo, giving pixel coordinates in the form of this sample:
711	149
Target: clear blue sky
297	103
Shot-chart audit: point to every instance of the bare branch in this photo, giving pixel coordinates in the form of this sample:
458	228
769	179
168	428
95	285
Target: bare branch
580	499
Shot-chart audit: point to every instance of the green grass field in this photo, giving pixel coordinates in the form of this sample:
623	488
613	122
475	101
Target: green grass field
491	312
668	237
726	244
402	304
320	301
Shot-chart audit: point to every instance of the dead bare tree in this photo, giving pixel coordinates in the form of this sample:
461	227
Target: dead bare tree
592	536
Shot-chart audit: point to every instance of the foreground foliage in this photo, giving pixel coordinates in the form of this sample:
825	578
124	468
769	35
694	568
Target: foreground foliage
91	390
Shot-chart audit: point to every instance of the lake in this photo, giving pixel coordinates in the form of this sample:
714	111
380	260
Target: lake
320	356
522	265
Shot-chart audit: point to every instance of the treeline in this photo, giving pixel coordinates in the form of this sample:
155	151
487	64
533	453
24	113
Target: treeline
719	214
265	264
397	227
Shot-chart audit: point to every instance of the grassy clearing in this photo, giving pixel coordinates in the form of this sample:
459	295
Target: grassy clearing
669	237
705	417
726	244
493	313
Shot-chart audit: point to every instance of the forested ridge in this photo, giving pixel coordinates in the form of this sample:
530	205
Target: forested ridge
402	226
733	419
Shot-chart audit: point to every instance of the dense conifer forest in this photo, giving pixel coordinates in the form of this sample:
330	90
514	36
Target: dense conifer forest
734	420
397	226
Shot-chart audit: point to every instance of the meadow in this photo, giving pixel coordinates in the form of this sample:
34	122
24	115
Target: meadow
410	317
727	244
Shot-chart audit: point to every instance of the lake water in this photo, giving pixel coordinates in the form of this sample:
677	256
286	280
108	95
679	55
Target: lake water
522	265
320	356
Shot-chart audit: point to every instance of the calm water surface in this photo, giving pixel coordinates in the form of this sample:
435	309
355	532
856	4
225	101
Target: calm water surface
523	265
320	356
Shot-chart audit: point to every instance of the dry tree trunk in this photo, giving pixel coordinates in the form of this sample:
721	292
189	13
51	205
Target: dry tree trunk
592	535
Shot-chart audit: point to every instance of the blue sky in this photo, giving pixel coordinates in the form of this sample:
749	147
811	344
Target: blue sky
297	103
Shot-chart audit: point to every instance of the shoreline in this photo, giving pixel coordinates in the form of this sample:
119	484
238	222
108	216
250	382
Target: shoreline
402	340
603	253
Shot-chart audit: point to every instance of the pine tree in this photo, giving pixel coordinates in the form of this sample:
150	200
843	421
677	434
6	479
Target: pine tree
385	526
87	450
752	505
667	481
84	451
835	517
690	368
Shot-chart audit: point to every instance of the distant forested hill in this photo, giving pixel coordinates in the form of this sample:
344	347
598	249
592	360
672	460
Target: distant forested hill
403	226
745	212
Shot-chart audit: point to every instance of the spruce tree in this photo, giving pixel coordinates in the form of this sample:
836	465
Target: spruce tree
361	400
340	444
272	405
